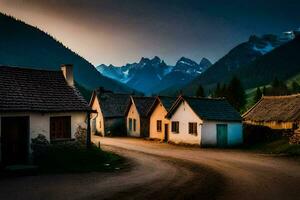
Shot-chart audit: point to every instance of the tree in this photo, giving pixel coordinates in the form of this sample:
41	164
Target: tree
200	91
258	95
217	91
278	87
295	87
264	92
236	94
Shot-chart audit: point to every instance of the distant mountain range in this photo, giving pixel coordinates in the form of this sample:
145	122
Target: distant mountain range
245	61
153	75
24	45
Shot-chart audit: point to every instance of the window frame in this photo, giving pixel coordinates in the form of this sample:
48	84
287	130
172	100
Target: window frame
159	125
175	126
193	128
64	129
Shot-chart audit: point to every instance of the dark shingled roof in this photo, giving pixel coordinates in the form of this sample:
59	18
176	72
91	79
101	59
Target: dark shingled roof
275	108
167	103
213	109
113	105
143	104
37	90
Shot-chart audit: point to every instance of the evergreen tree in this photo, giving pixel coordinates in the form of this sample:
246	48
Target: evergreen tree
295	87
217	92
278	87
223	92
200	91
236	94
264	92
258	95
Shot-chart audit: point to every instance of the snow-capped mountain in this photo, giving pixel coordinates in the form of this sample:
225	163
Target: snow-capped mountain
153	75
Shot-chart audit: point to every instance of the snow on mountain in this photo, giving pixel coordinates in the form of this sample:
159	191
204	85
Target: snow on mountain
147	74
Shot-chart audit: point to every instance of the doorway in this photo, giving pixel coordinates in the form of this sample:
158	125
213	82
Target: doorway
15	140
222	135
166	133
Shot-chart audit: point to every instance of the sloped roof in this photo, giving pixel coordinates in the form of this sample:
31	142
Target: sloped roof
37	90
143	104
213	109
275	108
112	104
167	103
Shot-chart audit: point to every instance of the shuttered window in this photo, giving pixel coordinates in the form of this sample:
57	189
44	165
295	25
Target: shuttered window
130	124
193	128
158	125
134	124
175	127
60	127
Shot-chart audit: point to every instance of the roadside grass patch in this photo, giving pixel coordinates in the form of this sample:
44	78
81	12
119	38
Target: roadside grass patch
75	158
279	146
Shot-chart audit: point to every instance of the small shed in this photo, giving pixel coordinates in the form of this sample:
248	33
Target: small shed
110	119
34	102
205	122
137	116
159	124
275	112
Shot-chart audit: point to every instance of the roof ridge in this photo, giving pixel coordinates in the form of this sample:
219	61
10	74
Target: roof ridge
205	98
29	68
282	96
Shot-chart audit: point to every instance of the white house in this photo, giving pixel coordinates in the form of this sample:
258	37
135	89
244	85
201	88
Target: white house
205	122
34	102
110	119
159	124
137	118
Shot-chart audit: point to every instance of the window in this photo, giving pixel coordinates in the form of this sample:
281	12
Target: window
175	127
134	124
130	124
193	128
158	125
60	127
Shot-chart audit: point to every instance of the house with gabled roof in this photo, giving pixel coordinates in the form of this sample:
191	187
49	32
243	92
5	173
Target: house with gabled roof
159	124
137	118
205	122
110	119
276	112
34	102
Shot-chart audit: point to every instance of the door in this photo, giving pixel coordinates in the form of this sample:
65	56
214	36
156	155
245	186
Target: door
166	132
222	132
14	140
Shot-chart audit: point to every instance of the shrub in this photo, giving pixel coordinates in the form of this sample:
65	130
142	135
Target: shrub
80	135
39	146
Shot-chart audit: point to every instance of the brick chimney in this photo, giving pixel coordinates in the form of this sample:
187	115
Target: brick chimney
67	70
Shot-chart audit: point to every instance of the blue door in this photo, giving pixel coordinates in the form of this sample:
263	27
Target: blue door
222	135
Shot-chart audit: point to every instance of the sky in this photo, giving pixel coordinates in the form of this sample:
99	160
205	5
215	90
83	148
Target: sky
122	31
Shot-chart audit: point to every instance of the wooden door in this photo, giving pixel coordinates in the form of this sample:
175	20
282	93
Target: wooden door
222	135
14	140
166	132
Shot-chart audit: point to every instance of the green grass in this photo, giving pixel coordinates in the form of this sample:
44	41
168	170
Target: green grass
77	159
280	146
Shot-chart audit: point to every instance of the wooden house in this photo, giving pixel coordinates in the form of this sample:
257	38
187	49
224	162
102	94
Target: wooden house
110	119
34	102
276	112
205	122
137	116
159	124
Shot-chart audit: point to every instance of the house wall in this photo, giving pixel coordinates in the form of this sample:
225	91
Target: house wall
159	113
133	114
209	133
40	123
115	126
184	114
99	119
273	124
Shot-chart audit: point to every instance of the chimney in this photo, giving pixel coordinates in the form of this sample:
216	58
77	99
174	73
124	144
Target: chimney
67	70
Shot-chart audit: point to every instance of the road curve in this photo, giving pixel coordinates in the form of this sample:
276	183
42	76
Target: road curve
243	175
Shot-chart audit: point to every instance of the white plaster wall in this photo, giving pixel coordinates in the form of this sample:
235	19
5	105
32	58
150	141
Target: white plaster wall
40	123
159	113
184	114
98	116
209	133
133	114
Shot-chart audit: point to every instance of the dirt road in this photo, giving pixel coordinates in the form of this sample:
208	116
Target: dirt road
162	171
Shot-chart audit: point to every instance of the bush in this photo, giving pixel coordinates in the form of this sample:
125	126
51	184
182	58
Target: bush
39	146
254	134
80	135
